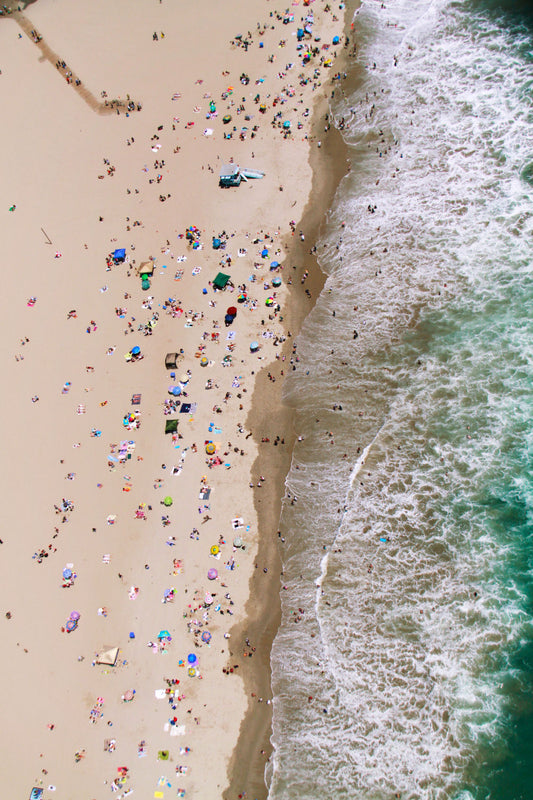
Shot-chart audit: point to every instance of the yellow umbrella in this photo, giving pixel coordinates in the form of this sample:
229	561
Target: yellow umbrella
215	550
210	449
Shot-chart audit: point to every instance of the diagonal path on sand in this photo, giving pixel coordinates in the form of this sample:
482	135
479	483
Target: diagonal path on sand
105	107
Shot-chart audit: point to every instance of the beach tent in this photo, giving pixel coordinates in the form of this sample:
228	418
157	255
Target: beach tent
229	175
171	426
221	281
119	254
108	657
146	269
171	360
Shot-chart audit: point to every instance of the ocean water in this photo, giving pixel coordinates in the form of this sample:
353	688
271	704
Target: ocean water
404	663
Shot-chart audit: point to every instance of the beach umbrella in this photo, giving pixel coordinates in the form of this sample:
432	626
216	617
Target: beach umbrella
336	40
269	301
67	573
184	378
216	244
75	615
206	637
164	635
167	501
237	542
276	281
210	448
215	550
226	118
232	311
264	253
145	284
242	297
191	672
204	362
71	625
274	264
212	574
191	658
254	346
135	351
286	124
208	599
128	695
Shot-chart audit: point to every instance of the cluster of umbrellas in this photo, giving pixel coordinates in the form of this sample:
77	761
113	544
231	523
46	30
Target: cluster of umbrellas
72	622
231	313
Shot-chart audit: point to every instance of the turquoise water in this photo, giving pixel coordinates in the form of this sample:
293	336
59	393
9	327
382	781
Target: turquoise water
409	545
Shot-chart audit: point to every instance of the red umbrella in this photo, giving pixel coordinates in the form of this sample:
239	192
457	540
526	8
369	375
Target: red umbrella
232	311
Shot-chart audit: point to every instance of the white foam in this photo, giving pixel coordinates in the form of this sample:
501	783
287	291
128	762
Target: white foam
406	658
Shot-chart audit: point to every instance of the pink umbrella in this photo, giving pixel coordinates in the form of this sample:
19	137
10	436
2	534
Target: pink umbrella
212	574
75	615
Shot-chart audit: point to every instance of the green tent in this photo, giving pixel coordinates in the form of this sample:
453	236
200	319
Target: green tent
221	281
171	426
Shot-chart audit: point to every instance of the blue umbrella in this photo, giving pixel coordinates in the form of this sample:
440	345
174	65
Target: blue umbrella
191	658
274	264
254	346
336	40
135	350
67	573
264	252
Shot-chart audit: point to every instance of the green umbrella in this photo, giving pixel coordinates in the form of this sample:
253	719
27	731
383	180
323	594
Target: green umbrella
167	501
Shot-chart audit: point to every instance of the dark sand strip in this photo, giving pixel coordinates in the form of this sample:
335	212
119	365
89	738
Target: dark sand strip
270	418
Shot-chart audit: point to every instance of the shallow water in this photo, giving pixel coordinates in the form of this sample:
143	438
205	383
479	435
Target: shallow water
409	545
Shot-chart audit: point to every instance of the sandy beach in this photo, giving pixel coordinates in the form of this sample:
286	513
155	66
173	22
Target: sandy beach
115	533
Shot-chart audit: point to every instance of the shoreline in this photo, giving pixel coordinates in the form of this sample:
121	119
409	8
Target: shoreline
272	418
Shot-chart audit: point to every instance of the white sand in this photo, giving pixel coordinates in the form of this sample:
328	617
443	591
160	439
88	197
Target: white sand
53	147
